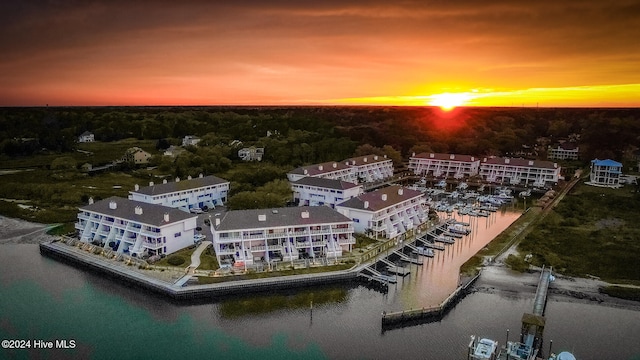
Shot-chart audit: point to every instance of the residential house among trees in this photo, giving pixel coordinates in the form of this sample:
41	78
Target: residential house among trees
564	151
444	165
251	153
520	171
203	191
246	237
135	228
605	173
86	137
190	140
136	155
387	212
310	191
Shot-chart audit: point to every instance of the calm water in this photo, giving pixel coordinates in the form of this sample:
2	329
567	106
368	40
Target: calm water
43	299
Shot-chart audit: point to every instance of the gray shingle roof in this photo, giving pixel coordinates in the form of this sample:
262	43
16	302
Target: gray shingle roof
375	198
521	162
152	214
198	182
313	170
279	217
449	157
325	183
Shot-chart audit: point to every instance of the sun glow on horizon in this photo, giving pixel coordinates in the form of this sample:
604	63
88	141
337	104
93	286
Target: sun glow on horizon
449	101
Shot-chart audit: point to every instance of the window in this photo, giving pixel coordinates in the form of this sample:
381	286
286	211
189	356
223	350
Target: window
356	220
178	234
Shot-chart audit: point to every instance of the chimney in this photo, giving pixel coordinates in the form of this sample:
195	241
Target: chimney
506	161
217	221
305	214
353	162
385	156
473	158
366	204
200	176
375	157
452	156
384	197
555	165
485	160
166	217
90	201
164	181
177	179
431	155
112	205
262	217
150	183
365	159
136	187
320	167
306	171
400	191
138	210
189	177
335	165
413	154
530	162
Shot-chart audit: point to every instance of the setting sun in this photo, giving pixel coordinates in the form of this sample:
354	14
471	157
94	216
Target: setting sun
448	101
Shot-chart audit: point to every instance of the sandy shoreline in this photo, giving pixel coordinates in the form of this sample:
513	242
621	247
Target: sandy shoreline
17	231
498	279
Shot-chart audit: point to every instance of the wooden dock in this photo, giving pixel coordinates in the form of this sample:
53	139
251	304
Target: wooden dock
418	316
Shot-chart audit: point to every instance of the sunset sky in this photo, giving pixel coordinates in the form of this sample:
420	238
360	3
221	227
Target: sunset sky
490	52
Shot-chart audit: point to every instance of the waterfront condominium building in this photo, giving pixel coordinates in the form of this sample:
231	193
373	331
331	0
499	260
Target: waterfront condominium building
444	165
209	191
245	237
370	168
329	170
564	151
310	191
520	171
605	173
361	169
134	227
386	212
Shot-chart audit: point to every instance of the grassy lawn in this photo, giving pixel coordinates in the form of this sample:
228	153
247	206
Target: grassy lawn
362	241
208	261
262	275
184	253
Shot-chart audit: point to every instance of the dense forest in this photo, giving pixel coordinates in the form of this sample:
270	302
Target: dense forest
314	134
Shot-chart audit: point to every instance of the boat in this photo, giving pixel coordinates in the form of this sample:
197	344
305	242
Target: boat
483	349
444	239
458	229
424	251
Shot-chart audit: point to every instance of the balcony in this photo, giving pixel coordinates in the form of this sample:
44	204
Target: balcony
227	251
348	229
266	248
152	245
276	235
83	216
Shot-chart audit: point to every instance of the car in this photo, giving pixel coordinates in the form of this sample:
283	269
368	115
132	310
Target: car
196	210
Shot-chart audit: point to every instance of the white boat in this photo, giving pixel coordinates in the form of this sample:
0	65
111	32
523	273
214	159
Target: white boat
458	229
484	349
424	251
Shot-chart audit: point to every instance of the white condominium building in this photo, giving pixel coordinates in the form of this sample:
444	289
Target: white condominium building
135	228
444	165
564	151
370	168
329	170
387	212
520	171
310	191
209	191
605	173
356	170
244	237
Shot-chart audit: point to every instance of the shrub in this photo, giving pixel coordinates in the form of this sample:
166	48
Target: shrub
516	263
175	260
